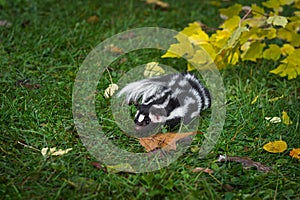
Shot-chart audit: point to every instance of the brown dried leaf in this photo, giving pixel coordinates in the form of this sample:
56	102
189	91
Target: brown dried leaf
113	49
246	162
163	140
92	19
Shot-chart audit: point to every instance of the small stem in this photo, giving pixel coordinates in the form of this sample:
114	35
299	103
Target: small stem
245	16
110	78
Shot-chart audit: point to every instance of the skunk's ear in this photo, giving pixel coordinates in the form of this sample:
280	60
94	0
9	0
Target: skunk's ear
155	118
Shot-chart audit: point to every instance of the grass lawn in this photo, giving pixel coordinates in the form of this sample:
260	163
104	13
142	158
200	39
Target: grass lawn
46	43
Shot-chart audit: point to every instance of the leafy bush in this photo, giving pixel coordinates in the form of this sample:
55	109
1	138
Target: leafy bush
249	33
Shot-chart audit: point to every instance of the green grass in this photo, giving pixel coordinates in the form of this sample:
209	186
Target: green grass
48	41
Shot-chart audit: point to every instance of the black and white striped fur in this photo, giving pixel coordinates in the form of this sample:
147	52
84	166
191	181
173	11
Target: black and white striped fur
167	100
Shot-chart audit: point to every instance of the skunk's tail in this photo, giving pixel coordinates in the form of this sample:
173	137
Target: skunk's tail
144	88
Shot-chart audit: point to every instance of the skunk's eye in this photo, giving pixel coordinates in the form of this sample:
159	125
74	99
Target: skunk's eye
147	121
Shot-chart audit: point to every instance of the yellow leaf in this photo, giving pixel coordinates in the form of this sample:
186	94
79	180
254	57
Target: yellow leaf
257	11
123	167
287	49
277	20
183	48
233	57
110	90
61	152
199	58
254	100
273	52
286	2
190	67
153	69
286	119
210	50
219	39
273	4
231	11
191	29
234	37
232	23
275	147
254	52
290	66
276	98
295	153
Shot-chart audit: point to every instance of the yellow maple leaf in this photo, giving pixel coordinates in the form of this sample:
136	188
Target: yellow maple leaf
153	69
178	50
273	4
275	147
254	52
273	52
295	153
277	20
287	49
290	66
191	29
286	119
232	23
230	11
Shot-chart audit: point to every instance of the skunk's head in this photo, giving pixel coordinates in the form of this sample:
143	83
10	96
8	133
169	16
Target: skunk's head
148	117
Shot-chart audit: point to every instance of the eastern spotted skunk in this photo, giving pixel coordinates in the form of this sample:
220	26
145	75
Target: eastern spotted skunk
166	100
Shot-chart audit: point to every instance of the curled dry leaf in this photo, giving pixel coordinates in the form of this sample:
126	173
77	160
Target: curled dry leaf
274	120
206	170
110	90
153	69
52	151
163	140
295	153
286	119
158	3
246	162
275	147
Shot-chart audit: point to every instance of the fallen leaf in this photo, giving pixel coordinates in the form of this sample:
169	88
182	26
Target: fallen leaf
246	162
99	166
113	49
273	120
158	3
153	69
286	119
276	98
206	170
275	147
123	167
52	151
295	153
92	19
254	100
26	83
166	141
110	90
61	152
